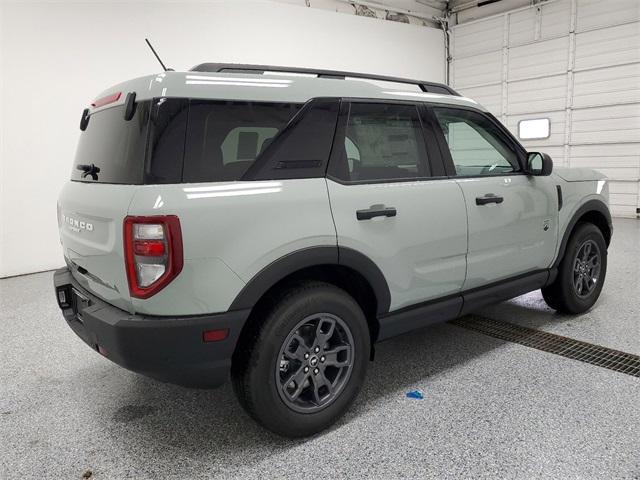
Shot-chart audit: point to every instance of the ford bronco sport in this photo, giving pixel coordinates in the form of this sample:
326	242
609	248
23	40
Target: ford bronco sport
271	225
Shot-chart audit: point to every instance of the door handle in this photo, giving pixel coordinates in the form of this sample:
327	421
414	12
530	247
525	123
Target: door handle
489	198
376	211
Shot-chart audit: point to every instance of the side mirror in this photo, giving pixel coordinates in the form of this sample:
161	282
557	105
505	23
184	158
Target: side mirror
539	164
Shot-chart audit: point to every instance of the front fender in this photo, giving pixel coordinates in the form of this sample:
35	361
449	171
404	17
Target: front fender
592	205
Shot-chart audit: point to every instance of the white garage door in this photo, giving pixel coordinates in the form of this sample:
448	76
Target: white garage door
575	62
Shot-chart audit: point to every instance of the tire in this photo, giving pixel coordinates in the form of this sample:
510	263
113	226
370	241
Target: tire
314	326
568	293
549	298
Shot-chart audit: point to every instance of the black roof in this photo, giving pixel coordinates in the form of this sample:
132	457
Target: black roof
430	87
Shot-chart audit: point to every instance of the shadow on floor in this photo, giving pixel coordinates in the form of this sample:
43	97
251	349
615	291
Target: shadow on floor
210	422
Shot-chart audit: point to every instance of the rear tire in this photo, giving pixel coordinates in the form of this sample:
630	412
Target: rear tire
301	366
581	272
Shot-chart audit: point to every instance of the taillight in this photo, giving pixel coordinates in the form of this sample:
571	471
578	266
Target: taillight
153	253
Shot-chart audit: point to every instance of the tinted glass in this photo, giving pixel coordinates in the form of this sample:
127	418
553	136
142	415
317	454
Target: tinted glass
382	142
476	144
224	138
167	132
114	145
303	148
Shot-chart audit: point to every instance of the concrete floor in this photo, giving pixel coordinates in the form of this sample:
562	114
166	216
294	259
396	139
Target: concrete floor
491	409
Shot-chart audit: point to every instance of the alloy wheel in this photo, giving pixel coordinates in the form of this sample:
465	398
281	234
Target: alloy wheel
586	268
314	363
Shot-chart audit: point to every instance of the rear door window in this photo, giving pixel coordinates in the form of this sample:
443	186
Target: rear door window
381	142
225	137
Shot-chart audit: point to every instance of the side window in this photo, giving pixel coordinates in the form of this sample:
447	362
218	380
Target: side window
477	146
225	137
245	143
381	142
302	149
353	154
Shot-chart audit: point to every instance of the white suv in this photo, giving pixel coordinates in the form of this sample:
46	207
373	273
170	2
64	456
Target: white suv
274	224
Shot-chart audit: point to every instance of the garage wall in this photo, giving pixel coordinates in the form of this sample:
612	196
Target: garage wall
56	56
576	62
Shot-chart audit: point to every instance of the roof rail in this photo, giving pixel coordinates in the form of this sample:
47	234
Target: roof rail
430	87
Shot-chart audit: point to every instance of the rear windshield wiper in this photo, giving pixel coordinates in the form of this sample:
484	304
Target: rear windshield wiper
89	170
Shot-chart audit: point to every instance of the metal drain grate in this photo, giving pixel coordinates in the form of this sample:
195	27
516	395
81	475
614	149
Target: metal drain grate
549	342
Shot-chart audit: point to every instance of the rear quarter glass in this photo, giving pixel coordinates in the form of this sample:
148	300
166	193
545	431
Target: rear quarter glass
114	145
225	137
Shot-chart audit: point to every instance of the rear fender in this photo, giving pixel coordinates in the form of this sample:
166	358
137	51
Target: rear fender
312	257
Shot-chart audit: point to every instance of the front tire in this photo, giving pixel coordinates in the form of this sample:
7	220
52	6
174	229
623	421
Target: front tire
303	363
581	272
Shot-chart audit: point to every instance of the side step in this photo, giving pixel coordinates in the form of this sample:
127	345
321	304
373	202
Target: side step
441	310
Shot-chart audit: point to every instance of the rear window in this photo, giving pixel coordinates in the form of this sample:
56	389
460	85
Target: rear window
114	145
225	137
174	140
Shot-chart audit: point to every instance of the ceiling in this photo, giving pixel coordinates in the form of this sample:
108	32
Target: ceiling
427	9
420	12
421	7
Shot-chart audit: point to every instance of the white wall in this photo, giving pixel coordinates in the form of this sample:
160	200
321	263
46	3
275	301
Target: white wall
56	56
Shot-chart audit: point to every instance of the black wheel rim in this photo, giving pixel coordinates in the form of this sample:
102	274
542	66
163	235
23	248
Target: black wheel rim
314	363
586	269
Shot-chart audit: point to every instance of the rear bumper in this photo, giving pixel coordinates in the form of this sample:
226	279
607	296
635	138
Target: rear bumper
170	349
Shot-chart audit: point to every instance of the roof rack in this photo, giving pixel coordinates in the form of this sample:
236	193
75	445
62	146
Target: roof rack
430	87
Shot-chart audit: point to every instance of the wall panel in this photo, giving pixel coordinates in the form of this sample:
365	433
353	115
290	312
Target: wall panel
576	62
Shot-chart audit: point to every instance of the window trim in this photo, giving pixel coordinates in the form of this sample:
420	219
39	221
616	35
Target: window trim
431	148
520	151
436	160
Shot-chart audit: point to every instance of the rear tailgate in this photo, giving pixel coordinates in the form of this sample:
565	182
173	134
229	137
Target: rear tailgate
109	165
90	219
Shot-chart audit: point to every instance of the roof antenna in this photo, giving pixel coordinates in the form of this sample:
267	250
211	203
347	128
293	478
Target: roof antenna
154	52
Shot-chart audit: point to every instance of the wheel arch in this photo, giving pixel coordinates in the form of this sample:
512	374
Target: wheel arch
592	211
345	268
337	265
